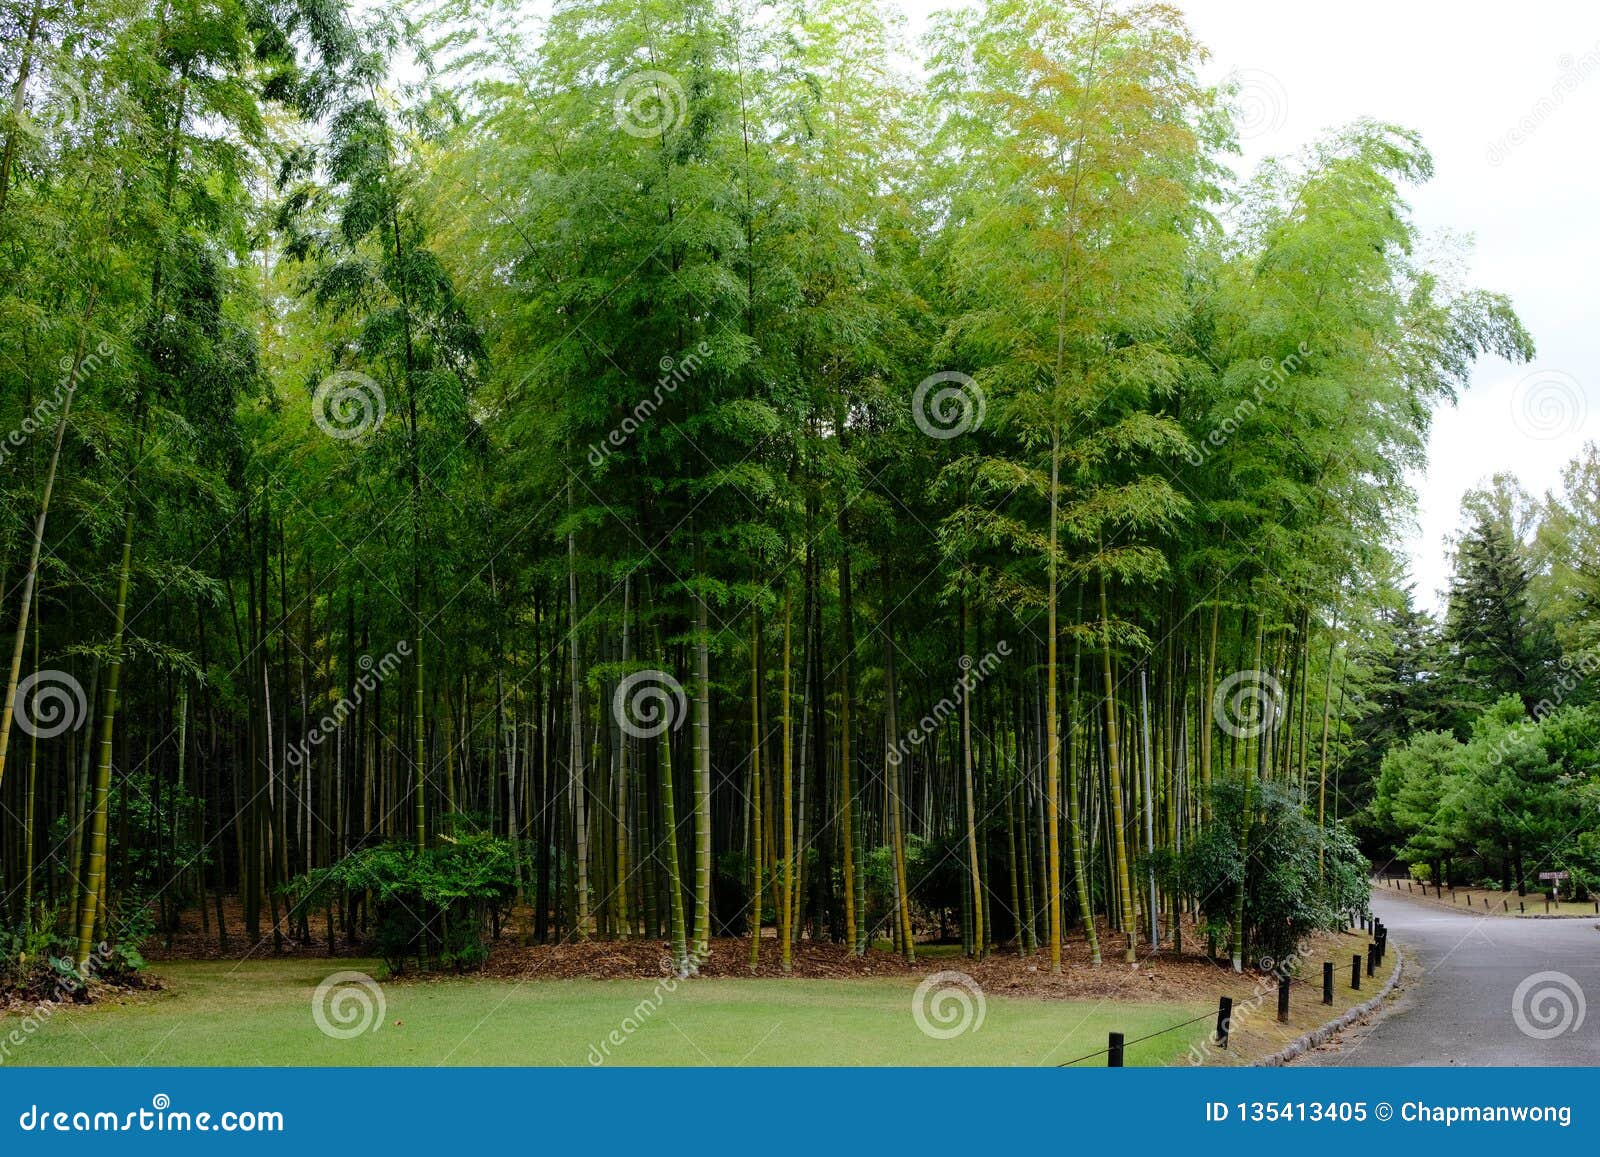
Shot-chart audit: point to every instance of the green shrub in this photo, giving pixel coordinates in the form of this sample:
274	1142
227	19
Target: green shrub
431	906
1287	895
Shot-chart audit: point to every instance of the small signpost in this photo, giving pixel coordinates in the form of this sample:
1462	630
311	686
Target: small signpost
1555	879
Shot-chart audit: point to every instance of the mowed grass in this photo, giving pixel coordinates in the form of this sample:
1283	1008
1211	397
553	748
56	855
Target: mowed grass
260	1013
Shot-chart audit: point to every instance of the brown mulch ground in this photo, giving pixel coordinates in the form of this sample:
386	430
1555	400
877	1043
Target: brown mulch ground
1159	977
42	988
192	942
1162	976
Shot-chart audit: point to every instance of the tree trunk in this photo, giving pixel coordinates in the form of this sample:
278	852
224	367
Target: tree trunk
1119	841
94	880
702	784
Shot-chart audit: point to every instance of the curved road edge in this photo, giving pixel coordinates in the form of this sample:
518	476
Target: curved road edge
1322	1033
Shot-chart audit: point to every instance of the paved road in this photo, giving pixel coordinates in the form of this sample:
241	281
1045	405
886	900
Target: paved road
1467	997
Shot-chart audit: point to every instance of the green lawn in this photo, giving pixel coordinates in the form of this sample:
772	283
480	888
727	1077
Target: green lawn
260	1013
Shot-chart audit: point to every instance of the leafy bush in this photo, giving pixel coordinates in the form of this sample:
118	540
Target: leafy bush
25	956
38	963
1287	896
878	864
431	906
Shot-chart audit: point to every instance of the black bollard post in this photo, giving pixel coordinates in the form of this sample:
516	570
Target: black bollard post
1283	999
1327	982
1355	971
1224	1019
1372	959
1114	1052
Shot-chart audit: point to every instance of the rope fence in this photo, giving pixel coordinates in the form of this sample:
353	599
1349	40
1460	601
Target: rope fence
1377	949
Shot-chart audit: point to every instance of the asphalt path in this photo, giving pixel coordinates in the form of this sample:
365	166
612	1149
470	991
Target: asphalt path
1481	990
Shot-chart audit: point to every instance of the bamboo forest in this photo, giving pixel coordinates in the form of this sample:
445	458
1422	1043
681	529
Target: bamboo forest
672	490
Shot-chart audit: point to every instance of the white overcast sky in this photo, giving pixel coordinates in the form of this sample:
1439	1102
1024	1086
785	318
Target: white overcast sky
1467	75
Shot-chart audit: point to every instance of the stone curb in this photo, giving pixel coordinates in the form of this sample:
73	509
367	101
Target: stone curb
1317	1035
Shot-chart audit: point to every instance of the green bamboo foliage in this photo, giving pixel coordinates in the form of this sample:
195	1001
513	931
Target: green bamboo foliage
659	306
